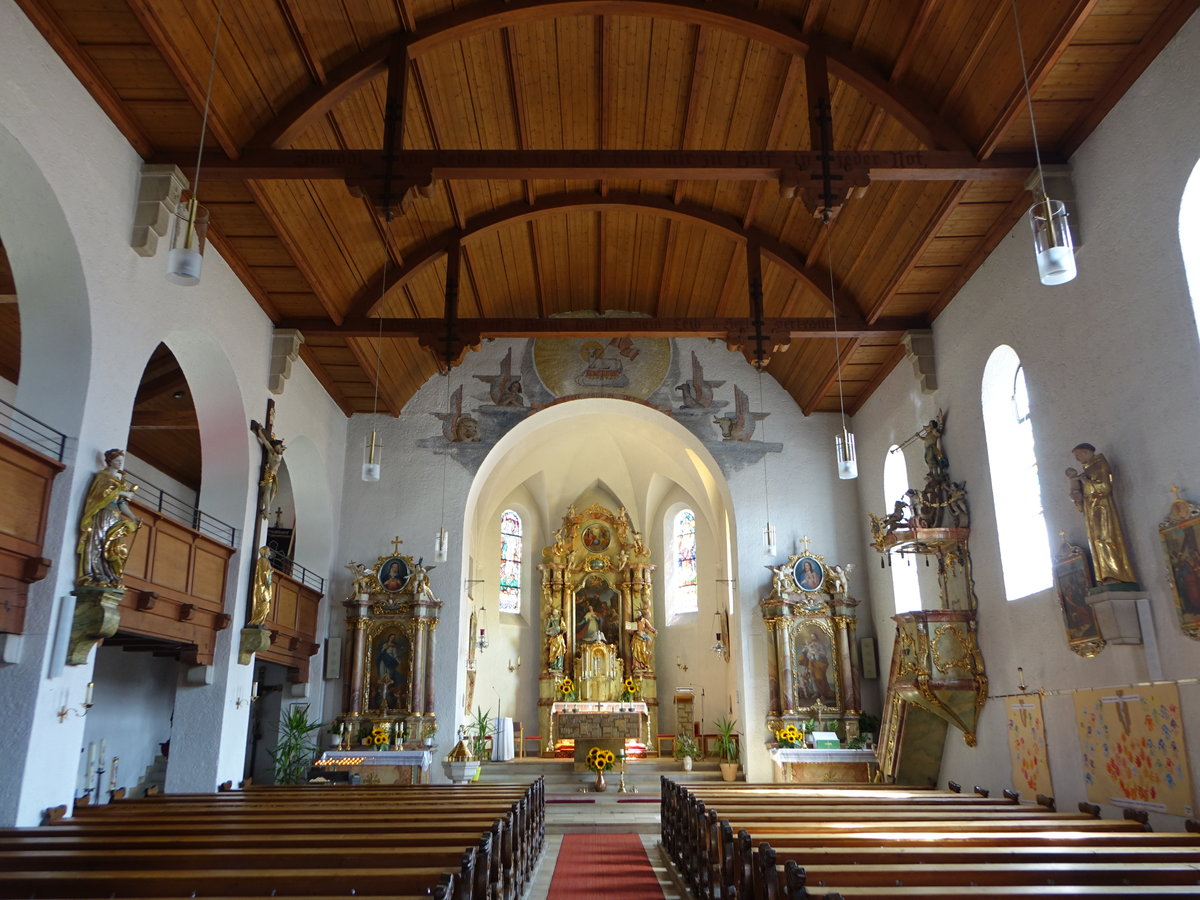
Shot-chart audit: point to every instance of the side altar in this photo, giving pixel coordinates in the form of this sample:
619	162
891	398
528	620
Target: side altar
392	616
598	622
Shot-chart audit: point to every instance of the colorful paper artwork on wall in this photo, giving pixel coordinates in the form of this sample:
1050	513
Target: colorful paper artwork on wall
1133	748
1027	745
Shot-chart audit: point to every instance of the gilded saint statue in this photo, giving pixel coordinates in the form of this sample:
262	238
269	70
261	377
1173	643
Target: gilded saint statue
556	642
106	525
642	642
260	598
1091	490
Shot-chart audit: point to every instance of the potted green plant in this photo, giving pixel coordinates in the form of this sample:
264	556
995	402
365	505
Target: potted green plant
727	747
686	749
479	729
293	751
868	727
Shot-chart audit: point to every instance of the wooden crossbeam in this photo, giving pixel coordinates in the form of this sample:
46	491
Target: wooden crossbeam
364	167
434	329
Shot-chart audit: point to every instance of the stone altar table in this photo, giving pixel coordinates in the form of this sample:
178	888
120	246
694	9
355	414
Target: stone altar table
603	725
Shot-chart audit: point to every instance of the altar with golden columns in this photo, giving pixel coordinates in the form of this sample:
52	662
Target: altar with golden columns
597	619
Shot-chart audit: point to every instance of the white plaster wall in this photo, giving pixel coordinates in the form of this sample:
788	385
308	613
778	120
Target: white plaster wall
1110	358
806	499
92	313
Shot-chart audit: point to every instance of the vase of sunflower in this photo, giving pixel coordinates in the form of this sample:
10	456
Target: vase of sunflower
789	736
600	761
565	689
630	690
378	739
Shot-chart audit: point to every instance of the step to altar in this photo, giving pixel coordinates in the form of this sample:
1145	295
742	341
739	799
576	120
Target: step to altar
574	806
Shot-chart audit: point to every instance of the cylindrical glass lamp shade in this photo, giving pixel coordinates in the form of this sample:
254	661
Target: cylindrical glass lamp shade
189	233
441	545
1052	241
372	457
847	461
769	546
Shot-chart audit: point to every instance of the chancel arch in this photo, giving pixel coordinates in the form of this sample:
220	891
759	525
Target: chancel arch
623	467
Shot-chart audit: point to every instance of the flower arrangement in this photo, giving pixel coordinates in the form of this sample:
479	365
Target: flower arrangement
630	689
789	736
566	688
600	760
686	746
378	737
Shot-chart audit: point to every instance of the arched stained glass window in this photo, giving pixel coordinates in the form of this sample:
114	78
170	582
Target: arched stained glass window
682	597
510	562
1016	488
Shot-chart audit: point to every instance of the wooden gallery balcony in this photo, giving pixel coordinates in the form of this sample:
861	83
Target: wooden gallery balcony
26	479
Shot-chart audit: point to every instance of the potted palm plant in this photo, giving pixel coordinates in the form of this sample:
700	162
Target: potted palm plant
727	748
479	730
686	749
294	750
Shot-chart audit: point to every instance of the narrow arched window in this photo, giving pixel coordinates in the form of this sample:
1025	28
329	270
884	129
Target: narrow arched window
681	593
1016	488
1189	237
510	562
906	582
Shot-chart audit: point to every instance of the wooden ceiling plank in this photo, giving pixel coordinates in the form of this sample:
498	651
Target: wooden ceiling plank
517	93
882	371
912	39
1168	24
228	250
369	357
303	265
1038	68
786	91
195	86
848	348
308	355
699	53
58	36
299	31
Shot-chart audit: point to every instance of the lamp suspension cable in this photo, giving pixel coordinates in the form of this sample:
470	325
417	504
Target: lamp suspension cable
847	458
441	541
189	228
1052	242
373	449
769	544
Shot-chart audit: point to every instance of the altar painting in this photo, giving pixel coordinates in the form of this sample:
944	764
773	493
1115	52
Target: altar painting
1179	538
389	669
1073	579
816	674
1134	753
597	612
1027	744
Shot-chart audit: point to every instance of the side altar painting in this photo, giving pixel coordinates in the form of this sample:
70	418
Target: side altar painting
597	616
811	675
392	617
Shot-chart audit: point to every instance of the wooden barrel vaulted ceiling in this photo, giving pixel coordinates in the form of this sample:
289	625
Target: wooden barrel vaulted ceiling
552	154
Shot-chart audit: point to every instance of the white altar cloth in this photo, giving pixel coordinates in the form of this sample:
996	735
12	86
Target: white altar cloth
502	740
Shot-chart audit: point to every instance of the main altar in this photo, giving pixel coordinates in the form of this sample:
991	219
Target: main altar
389	716
598	625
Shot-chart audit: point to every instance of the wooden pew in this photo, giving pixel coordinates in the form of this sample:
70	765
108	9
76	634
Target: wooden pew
868	843
375	841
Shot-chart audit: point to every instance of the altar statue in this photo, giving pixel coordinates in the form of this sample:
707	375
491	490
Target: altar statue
1092	492
260	597
642	642
556	643
106	525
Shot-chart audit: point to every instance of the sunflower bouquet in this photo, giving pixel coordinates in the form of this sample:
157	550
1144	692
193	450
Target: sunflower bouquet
566	688
789	736
600	760
378	737
630	690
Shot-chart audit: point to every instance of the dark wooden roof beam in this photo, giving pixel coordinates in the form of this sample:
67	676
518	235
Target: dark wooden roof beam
365	168
430	330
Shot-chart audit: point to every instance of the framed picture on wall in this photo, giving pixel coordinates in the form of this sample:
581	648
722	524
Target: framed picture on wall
1180	536
1073	579
809	573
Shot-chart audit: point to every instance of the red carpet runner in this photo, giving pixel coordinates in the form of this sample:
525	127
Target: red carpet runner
603	865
